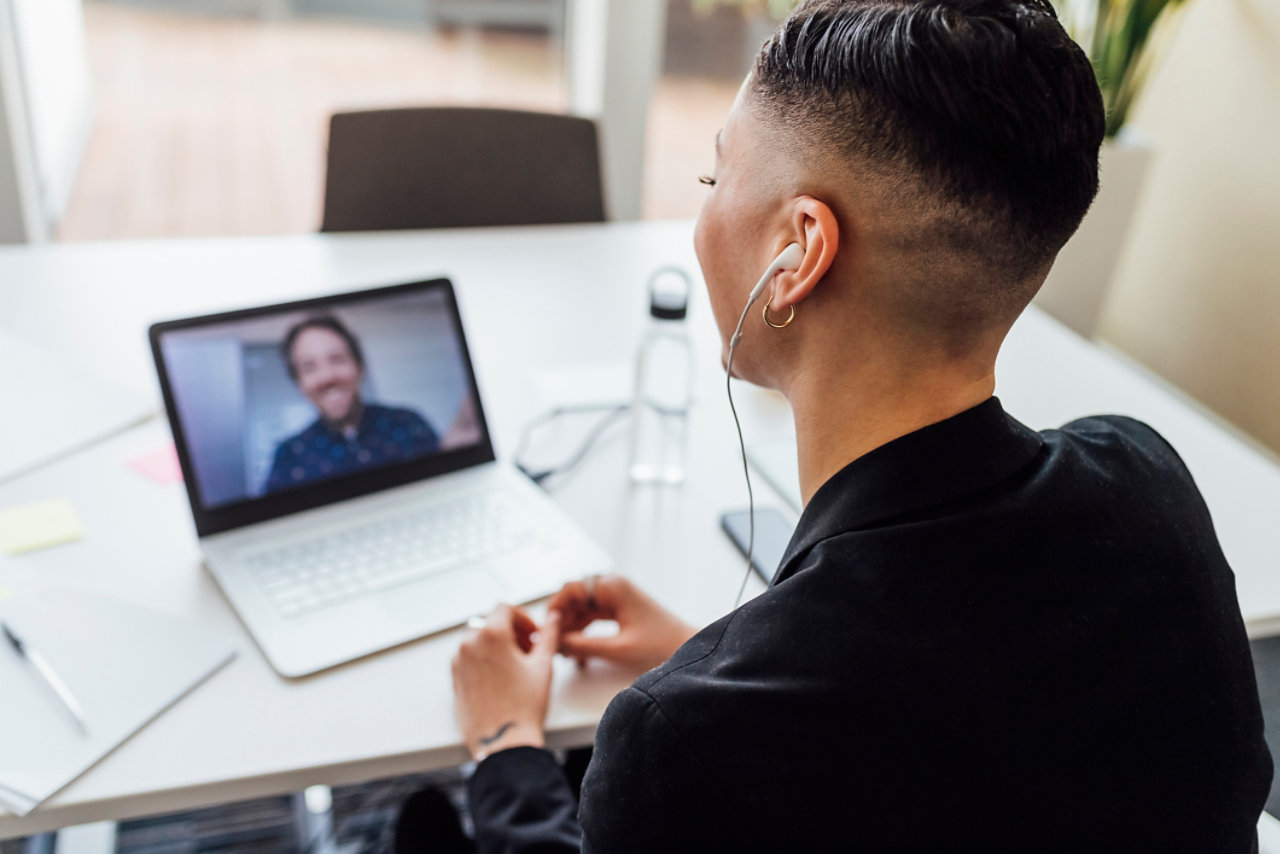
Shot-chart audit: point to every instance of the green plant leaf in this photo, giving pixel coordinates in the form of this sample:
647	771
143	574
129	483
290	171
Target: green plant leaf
1121	50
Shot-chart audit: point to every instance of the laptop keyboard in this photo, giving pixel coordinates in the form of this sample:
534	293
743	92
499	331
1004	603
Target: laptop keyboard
389	551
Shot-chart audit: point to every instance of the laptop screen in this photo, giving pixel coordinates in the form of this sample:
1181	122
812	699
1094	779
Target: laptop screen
287	407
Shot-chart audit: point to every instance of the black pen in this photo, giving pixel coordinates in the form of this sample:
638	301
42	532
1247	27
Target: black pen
45	672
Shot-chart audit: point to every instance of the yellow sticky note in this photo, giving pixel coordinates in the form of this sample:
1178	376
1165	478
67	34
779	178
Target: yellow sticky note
4	594
38	526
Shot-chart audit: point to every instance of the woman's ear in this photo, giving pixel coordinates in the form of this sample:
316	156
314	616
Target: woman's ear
821	238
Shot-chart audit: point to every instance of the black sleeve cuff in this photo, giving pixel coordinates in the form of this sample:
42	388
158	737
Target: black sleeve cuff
521	802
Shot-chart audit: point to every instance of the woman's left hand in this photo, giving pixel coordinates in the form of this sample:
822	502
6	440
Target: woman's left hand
502	681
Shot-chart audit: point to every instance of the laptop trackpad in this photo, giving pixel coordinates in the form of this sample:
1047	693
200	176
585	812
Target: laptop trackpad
444	600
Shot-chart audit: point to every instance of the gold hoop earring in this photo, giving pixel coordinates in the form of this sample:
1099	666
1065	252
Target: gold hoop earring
784	324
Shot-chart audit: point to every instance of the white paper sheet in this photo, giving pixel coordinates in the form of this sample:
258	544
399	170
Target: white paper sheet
52	407
123	664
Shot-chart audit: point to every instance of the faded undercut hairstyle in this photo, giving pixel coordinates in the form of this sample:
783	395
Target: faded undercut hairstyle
983	116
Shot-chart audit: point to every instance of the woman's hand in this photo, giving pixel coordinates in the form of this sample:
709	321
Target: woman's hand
502	681
647	633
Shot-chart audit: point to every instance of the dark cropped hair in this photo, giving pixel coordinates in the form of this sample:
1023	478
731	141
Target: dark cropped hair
989	104
322	321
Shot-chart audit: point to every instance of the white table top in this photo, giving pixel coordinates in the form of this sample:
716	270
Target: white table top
534	301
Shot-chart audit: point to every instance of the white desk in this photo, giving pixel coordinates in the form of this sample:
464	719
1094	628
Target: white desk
532	299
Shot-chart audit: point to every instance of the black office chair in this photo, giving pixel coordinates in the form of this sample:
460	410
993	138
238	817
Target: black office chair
450	167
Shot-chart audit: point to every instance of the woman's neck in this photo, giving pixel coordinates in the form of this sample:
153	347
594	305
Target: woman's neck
838	422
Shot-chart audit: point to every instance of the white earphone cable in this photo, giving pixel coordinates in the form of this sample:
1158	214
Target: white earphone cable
742	446
789	258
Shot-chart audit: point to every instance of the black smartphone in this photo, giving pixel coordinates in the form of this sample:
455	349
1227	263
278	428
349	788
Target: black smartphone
773	533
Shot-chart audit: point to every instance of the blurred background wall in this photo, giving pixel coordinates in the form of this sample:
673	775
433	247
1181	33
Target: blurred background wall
1197	293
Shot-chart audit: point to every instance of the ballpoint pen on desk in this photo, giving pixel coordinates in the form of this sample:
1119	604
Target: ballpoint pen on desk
46	673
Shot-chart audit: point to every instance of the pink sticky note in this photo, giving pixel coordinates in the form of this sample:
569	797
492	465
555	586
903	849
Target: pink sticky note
159	465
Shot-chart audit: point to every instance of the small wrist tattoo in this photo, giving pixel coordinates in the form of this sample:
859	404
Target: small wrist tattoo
485	741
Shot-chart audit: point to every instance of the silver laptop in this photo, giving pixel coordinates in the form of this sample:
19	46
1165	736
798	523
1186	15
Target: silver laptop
342	477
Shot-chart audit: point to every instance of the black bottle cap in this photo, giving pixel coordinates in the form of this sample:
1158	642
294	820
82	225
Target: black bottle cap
669	293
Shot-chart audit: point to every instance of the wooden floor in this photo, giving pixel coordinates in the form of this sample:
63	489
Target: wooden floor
216	126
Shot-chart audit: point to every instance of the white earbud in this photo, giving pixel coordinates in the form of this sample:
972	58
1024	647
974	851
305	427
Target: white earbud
788	259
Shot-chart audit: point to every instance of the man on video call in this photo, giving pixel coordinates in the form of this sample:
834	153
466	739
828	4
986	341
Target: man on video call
326	362
981	637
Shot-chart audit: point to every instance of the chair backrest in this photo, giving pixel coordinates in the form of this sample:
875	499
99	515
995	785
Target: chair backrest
450	167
